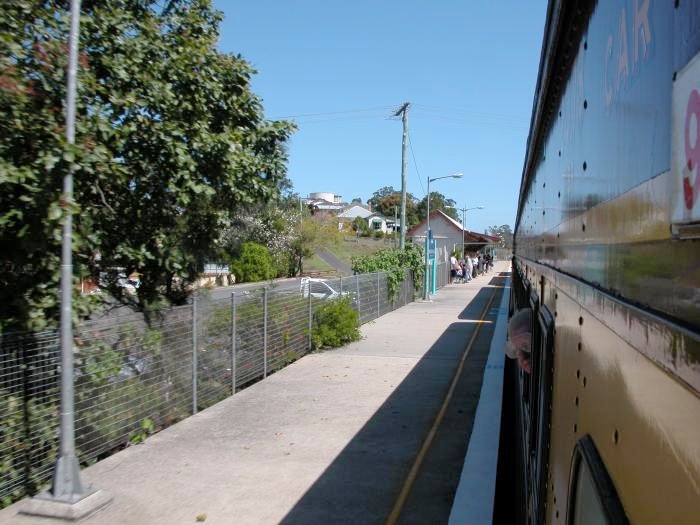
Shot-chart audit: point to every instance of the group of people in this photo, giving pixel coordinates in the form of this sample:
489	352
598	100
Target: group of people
465	269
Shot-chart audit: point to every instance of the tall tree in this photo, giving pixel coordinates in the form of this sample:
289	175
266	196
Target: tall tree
437	202
386	200
382	192
169	141
314	234
504	233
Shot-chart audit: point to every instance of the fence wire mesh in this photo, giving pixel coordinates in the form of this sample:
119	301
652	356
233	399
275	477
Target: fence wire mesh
136	374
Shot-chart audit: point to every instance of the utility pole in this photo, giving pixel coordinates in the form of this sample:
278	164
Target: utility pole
394	226
464	222
403	111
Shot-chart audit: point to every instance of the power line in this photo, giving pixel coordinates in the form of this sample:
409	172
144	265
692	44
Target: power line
364	110
494	125
490	114
415	164
342	119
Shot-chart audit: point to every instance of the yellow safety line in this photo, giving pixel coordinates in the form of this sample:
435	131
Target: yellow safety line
427	443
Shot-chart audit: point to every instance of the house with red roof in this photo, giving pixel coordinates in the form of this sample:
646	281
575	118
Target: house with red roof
449	235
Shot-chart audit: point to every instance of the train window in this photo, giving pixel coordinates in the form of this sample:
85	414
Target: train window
593	499
544	378
530	381
588	510
541	398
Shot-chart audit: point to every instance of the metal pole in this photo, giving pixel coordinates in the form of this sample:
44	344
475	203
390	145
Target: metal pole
357	287
233	343
377	295
341	285
464	221
265	330
194	354
66	484
311	317
426	293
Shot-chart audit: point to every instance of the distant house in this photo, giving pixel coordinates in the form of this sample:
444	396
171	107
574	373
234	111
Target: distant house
449	233
324	203
355	211
378	222
346	218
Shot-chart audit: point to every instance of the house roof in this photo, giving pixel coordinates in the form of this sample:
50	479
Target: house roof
470	237
419	229
355	211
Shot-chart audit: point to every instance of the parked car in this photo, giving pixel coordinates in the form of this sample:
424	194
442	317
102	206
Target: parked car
322	289
319	289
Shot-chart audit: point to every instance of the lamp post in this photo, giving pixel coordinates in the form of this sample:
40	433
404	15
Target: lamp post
464	220
426	293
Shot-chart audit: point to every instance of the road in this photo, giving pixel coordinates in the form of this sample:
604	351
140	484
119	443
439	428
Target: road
278	285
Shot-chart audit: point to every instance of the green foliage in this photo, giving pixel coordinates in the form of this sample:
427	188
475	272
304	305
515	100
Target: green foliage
253	264
315	233
504	233
147	427
360	225
274	224
170	140
437	202
394	262
387	201
20	450
335	324
115	392
378	234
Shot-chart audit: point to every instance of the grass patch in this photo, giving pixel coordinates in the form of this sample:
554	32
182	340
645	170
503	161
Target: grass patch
349	248
316	264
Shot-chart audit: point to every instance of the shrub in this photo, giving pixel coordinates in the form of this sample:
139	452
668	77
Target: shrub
253	264
360	226
26	456
394	263
335	324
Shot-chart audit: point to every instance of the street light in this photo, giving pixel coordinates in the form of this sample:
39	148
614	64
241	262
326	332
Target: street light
427	235
464	220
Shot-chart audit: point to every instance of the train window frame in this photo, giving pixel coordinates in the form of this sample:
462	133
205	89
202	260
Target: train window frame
531	380
586	453
545	385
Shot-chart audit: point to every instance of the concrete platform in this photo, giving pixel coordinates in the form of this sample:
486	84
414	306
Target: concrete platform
329	439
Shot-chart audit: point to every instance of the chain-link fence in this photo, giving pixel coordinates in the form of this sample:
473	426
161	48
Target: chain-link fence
136	374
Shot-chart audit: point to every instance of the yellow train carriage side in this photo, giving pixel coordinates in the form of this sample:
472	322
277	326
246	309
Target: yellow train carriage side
607	254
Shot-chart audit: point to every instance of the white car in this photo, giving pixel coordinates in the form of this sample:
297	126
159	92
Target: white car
318	288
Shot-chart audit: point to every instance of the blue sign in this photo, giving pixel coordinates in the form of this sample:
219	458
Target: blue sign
431	249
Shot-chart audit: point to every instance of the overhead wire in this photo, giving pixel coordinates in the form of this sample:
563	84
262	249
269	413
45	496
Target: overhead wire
342	119
363	110
415	164
478	114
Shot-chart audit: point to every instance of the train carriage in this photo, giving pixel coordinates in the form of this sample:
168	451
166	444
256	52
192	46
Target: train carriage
606	426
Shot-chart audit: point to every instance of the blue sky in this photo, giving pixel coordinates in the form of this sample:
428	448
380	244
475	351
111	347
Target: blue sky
340	69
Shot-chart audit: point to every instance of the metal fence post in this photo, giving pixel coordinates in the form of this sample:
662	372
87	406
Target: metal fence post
341	285
233	343
359	303
194	354
265	332
311	317
377	295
